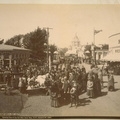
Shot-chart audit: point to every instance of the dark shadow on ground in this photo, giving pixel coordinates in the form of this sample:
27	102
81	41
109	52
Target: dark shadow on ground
64	100
81	102
116	89
36	92
103	94
84	102
100	95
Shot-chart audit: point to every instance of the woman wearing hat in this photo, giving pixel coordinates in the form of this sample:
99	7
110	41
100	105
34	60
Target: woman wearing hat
54	95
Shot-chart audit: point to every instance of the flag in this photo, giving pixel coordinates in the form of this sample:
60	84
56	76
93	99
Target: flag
97	31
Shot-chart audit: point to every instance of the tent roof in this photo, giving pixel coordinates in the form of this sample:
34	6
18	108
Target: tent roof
112	57
56	52
87	51
71	52
10	47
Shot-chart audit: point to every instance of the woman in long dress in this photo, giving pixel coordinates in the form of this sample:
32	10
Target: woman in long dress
111	86
100	77
20	84
54	95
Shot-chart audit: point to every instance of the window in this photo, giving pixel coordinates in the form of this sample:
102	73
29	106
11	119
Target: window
6	56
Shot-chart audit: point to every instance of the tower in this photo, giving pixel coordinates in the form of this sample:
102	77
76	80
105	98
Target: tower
76	43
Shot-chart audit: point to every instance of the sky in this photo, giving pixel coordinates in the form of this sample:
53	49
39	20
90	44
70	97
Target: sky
66	21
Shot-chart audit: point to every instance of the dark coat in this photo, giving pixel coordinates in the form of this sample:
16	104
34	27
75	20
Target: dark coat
111	81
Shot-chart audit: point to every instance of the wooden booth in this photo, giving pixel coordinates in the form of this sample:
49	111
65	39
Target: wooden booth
11	56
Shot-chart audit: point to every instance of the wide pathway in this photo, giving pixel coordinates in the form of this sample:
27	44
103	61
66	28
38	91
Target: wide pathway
108	104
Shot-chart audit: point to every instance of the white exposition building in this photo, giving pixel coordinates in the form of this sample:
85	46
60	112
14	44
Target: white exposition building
114	48
75	48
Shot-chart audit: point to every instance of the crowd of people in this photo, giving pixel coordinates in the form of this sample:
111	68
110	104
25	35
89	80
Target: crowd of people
19	77
60	84
69	81
64	83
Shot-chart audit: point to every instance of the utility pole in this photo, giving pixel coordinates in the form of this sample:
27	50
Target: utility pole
94	33
94	55
47	35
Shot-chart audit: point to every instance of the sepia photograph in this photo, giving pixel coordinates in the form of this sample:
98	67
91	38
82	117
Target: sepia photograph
60	60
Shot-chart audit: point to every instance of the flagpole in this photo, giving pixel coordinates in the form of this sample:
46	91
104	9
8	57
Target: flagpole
94	36
94	56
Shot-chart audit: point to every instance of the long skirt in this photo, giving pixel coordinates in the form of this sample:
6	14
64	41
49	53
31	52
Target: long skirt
55	102
90	93
111	85
98	85
74	99
84	85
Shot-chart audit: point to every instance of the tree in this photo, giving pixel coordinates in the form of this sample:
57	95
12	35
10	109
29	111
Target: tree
87	48
62	51
34	41
15	41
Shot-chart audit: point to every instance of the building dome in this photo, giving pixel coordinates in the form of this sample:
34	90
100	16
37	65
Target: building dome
76	42
76	38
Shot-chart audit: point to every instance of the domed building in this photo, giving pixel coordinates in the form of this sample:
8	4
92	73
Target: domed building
76	43
76	47
114	48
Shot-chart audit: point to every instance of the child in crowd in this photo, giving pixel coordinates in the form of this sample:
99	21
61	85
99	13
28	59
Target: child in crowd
73	95
90	91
